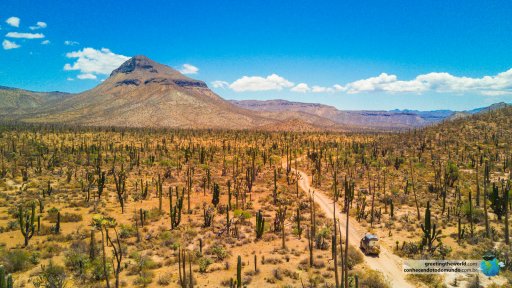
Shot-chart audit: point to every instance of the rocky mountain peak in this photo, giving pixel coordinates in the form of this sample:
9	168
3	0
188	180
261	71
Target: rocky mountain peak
139	62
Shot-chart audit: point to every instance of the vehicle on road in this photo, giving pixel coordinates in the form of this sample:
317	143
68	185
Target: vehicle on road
370	244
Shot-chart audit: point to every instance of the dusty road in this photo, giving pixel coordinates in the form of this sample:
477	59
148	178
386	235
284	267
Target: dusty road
388	263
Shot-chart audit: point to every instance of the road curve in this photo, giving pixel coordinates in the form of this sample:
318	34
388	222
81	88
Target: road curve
388	263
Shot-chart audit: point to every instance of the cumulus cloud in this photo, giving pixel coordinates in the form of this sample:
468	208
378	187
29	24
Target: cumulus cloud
24	35
90	61
301	88
189	69
45	42
257	83
70	43
220	84
8	45
13	21
39	25
441	82
86	76
321	89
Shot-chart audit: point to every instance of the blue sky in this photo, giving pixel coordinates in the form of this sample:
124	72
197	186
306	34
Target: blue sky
350	54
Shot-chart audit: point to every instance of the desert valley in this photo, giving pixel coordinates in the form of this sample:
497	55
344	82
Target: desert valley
150	179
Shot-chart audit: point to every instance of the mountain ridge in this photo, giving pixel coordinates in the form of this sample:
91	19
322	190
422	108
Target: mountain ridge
144	93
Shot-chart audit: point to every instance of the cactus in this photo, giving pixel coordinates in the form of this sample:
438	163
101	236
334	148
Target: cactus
49	189
229	195
430	234
2	277
255	263
260	225
57	224
41	206
216	194
182	264
281	215
26	222
120	181
497	202
239	272
299	227
160	193
175	210
142	216
228	224
101	183
208	215
274	192
92	246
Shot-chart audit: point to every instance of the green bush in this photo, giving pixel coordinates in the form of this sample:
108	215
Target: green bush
242	213
204	262
18	260
218	251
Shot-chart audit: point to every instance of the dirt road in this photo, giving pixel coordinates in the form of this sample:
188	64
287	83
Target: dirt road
389	264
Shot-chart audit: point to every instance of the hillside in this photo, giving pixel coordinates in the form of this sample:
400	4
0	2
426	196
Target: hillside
143	93
15	101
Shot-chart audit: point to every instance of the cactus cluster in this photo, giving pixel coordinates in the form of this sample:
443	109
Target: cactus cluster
5	280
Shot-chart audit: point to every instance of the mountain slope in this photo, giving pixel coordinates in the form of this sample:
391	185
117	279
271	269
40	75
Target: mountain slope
143	93
15	101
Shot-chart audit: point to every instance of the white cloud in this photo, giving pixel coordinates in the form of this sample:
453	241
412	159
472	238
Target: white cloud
25	35
39	25
436	82
13	21
70	79
220	84
90	61
45	42
189	69
257	83
321	89
70	43
301	88
7	45
86	76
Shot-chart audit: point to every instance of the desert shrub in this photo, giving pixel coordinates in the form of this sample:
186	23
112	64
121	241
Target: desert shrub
153	214
373	279
321	237
164	280
70	217
77	260
242	213
19	260
431	280
51	276
218	251
127	231
51	250
204	262
354	257
145	278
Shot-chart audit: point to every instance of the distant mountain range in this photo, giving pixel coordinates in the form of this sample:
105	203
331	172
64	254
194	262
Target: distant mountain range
364	119
143	93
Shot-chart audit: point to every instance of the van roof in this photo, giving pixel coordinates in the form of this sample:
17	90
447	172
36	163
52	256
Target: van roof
371	237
